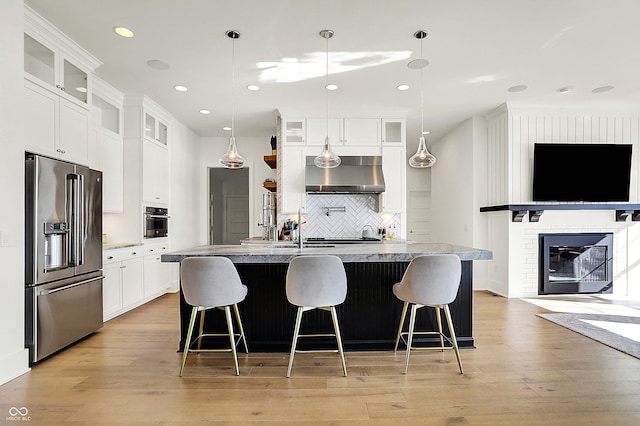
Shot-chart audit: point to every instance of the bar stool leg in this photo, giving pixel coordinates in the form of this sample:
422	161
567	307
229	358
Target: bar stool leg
412	321
447	314
296	330
439	320
242	336
404	313
201	329
334	317
187	343
232	339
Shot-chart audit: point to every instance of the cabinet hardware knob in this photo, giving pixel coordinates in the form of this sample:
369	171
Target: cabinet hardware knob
109	257
133	253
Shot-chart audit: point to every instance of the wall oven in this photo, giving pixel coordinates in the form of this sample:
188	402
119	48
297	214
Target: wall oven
156	222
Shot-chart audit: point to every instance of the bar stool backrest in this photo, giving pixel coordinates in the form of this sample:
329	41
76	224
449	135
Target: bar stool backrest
211	282
431	280
316	281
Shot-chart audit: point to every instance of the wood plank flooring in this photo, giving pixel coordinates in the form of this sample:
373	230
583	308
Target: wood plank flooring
524	371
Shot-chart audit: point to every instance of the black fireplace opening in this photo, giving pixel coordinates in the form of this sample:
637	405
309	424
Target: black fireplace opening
570	263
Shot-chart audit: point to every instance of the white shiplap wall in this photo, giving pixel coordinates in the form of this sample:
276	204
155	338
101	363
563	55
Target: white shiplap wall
511	133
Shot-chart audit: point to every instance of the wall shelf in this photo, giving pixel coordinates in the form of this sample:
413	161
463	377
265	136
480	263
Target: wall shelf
519	211
270	160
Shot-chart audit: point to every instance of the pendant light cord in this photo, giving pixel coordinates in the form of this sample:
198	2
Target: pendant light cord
233	85
421	94
327	84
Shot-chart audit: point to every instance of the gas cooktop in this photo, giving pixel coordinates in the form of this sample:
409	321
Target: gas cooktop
340	240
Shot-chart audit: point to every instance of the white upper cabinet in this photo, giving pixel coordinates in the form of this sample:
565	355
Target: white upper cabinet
344	131
393	132
57	92
293	131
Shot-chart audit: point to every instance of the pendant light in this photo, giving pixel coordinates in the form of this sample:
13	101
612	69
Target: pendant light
327	158
422	158
231	159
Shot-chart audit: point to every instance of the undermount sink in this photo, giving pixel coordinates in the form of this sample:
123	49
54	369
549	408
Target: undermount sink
290	246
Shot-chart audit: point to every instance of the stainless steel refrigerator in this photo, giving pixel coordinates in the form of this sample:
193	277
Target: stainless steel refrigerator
63	259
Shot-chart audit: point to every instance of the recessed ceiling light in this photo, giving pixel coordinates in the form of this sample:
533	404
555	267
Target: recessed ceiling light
205	111
123	32
180	88
566	89
602	89
518	88
157	64
331	87
425	132
253	87
227	128
403	87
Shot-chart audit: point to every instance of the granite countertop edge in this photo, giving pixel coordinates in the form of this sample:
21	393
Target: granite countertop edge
347	253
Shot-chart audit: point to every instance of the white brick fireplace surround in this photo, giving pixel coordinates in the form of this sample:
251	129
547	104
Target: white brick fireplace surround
517	262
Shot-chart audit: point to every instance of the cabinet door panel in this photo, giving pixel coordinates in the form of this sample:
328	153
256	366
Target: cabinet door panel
317	131
293	193
361	131
132	281
111	290
40	118
74	132
110	161
394	170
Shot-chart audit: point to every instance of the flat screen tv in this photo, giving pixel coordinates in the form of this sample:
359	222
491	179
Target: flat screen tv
581	172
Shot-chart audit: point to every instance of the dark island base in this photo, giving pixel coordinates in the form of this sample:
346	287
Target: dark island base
368	318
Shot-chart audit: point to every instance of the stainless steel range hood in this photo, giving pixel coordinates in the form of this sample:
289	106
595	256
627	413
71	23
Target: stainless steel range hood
355	175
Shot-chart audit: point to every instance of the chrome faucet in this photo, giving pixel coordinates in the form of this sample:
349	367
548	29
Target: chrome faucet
300	228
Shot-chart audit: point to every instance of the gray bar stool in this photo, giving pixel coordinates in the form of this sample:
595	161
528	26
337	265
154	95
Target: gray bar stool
207	283
431	280
316	282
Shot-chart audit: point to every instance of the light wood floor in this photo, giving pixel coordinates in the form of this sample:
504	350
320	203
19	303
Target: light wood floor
524	371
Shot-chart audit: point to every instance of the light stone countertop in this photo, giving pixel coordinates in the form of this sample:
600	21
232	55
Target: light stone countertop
114	246
260	253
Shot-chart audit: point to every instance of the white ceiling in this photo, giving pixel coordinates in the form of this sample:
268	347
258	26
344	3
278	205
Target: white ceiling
476	49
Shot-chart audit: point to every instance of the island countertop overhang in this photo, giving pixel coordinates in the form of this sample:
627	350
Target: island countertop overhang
347	253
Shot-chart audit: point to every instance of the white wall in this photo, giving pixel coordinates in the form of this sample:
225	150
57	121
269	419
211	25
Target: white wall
13	355
458	190
253	150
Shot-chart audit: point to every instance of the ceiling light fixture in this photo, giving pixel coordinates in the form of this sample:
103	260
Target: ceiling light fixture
180	88
123	32
403	87
231	159
422	158
205	111
566	89
602	89
157	64
253	87
327	158
516	89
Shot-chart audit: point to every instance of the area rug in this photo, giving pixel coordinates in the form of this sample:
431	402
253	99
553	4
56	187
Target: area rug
593	326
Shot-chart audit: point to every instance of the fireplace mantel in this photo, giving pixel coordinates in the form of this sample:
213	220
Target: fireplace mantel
519	211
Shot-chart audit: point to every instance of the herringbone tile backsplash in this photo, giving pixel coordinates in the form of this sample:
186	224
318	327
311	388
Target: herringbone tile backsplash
359	210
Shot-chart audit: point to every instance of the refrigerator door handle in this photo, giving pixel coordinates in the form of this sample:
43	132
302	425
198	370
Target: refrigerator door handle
80	220
75	190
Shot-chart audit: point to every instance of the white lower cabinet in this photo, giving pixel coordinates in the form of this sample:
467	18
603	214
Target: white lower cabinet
157	276
123	285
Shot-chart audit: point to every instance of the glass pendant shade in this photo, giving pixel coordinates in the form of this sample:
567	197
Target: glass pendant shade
231	159
422	158
327	158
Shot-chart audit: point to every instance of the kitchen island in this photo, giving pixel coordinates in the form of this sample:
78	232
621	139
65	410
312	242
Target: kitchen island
370	314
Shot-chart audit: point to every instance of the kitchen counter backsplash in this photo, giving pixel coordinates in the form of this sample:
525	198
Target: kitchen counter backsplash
347	215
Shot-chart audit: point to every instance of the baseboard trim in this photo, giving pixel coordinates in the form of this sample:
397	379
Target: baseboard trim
14	365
